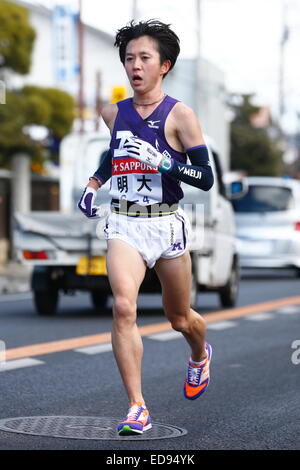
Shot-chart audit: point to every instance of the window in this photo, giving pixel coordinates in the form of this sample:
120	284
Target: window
264	199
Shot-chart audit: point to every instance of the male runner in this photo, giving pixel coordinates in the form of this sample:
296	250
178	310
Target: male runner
152	135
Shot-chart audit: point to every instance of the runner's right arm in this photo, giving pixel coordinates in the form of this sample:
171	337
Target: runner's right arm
86	202
103	173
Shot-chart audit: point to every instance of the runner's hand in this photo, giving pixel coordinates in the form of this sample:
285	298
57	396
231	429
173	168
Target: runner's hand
86	203
143	151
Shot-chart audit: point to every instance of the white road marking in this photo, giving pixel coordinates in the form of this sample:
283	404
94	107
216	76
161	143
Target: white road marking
260	316
289	309
20	363
166	336
221	325
2	353
96	349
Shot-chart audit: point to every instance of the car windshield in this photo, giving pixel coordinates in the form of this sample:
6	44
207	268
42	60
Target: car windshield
264	199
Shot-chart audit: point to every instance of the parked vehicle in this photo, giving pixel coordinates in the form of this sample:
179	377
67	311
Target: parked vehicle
268	223
68	254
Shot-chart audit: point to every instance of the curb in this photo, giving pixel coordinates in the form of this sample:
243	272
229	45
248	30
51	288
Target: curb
15	278
13	286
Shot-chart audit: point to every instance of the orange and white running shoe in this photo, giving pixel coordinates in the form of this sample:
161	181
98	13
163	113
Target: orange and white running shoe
197	377
137	420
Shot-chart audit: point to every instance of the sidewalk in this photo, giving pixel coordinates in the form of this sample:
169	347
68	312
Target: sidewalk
14	278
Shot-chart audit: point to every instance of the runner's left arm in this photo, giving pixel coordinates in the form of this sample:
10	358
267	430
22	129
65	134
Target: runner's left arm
199	172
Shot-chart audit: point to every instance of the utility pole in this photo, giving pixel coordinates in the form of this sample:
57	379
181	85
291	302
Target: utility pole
283	41
98	100
198	53
134	9
81	103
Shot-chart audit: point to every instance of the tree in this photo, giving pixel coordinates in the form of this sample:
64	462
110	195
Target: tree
32	105
252	150
47	107
16	37
62	108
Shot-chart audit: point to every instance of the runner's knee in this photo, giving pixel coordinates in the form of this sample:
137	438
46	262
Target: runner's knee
124	310
186	321
179	323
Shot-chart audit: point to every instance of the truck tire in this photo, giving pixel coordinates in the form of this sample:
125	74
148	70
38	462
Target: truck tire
46	301
99	299
45	293
229	292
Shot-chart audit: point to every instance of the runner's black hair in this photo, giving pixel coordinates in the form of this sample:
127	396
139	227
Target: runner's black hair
168	41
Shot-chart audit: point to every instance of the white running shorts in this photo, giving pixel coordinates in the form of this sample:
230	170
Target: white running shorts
153	237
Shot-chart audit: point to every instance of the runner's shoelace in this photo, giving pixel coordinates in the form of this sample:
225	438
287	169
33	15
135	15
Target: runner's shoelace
134	412
194	374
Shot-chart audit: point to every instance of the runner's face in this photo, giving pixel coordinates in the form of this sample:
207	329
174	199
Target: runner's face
142	64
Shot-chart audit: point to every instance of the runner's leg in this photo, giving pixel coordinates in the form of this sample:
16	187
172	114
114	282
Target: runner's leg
126	271
175	276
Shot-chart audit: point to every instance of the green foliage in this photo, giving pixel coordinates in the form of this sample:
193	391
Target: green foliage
16	37
36	110
33	105
12	121
252	150
49	107
61	108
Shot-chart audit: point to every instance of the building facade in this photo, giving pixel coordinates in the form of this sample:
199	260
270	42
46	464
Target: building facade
99	55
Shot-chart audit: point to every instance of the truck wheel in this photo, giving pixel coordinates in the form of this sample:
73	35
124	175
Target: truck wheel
228	293
46	301
99	299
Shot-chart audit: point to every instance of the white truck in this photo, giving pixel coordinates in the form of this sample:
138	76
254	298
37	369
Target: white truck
67	252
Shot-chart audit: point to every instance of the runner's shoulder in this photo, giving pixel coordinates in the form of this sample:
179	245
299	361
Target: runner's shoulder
182	111
109	112
187	126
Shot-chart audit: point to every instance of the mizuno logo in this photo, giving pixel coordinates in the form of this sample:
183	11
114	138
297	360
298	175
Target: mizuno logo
152	124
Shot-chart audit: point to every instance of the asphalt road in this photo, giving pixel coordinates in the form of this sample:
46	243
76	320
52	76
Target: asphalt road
251	403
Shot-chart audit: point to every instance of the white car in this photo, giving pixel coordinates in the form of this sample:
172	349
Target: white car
268	223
